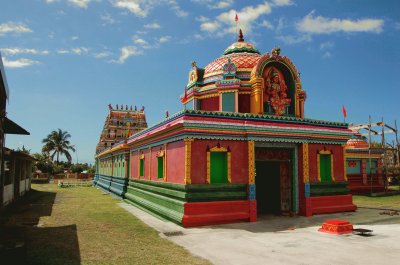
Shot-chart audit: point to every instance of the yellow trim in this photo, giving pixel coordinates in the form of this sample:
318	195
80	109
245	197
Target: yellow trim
150	165
218	149
140	158
306	167
318	169
325	152
332	176
228	91
256	97
229	167
208	168
245	93
357	155
188	160
344	164
251	162
207	96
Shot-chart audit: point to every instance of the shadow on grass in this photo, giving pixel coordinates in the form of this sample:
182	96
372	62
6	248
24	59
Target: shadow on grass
24	241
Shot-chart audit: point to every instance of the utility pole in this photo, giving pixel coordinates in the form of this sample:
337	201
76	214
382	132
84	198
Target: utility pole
384	154
397	143
369	153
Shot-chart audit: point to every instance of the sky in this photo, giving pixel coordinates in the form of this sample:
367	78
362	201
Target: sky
66	60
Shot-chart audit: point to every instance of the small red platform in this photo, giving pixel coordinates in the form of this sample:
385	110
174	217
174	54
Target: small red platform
336	227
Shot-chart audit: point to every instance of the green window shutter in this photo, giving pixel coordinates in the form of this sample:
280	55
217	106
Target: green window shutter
218	167
141	170
373	166
228	102
160	166
325	168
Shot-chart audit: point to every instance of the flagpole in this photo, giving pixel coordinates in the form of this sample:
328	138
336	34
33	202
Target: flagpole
236	22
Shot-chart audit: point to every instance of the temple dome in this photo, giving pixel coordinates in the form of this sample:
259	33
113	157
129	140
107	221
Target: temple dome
357	142
243	54
239	47
244	62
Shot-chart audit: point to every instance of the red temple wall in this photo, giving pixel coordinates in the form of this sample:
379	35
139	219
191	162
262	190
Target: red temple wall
239	160
135	164
176	162
244	103
338	162
210	104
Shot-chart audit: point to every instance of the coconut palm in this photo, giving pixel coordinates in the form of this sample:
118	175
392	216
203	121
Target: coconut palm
57	143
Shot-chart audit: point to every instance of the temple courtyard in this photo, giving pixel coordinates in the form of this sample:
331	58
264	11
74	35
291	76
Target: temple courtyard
68	226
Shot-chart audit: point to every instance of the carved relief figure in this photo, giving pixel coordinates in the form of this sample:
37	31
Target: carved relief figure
275	91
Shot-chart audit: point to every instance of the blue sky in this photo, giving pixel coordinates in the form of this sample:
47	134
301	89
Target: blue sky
66	60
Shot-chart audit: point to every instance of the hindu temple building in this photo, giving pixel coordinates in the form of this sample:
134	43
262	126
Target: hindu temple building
241	147
363	166
120	123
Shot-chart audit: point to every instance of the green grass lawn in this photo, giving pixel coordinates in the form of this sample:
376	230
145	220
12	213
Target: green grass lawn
390	202
83	226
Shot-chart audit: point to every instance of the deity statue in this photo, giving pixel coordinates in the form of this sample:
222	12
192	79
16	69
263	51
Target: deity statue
275	92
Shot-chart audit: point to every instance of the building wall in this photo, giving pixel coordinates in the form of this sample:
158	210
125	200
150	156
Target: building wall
239	160
8	194
338	162
176	162
210	104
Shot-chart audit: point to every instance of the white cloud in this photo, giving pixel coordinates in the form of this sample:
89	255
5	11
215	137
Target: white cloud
281	25
267	24
134	6
152	26
397	25
326	45
326	55
108	19
141	8
140	41
290	39
77	51
215	4
176	8
74	38
322	25
80	3
127	52
202	19
247	17
163	39
12	27
77	3
14	51
102	55
210	26
282	2
20	63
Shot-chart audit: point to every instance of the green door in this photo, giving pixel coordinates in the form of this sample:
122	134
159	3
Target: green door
218	167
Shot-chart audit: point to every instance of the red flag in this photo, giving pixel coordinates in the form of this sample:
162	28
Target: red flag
236	18
344	111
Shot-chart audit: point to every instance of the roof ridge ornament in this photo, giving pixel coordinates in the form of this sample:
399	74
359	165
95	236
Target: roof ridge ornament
240	36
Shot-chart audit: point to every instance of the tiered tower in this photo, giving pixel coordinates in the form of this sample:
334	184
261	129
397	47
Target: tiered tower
121	122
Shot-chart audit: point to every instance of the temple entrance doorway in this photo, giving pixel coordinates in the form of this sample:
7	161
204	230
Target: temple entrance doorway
273	181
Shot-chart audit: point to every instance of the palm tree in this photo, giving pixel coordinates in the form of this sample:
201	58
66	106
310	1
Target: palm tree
57	143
